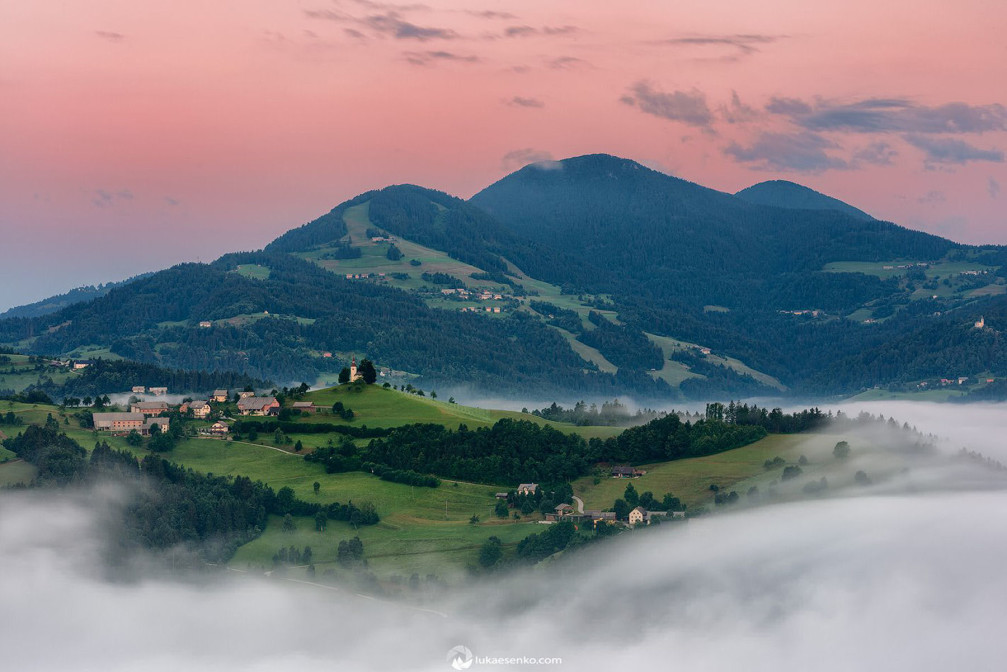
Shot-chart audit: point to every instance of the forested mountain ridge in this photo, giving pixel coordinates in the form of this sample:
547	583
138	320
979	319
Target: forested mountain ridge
76	295
593	276
792	196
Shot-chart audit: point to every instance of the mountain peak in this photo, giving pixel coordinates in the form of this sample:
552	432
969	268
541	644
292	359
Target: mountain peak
793	196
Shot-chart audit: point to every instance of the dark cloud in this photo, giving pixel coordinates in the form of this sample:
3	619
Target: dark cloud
993	188
110	36
787	106
389	23
390	6
353	32
687	107
519	158
876	153
560	30
520	31
521	101
952	150
891	115
171	201
802	152
432	57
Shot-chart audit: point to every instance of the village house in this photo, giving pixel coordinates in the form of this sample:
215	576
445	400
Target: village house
162	424
527	488
149	408
501	495
206	324
219	396
200	409
642	515
138	389
245	394
219	429
81	364
258	406
158	391
306	407
564	510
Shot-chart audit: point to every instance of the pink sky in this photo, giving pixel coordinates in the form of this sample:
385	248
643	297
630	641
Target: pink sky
137	135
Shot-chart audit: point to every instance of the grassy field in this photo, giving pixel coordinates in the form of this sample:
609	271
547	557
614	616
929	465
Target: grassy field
254	271
923	395
19	373
378	407
674	372
16	471
690	479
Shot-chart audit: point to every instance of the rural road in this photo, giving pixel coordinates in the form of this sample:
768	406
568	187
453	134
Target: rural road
580	504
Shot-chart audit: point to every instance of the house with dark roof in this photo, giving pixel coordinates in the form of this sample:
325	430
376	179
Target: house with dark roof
150	408
626	472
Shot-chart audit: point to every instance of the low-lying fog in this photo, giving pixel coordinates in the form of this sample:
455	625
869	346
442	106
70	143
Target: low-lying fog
904	575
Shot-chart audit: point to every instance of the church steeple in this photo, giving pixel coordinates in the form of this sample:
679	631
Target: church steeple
353	370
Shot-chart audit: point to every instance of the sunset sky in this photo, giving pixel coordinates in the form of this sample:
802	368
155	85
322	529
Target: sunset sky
136	135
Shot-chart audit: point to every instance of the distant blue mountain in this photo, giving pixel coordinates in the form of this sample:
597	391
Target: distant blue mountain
792	196
55	303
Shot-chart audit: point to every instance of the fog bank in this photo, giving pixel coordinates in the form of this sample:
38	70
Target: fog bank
904	576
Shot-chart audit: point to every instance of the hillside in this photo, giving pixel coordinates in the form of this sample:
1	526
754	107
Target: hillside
792	196
597	277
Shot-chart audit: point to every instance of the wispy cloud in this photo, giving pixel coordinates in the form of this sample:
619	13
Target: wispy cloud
888	115
389	23
492	15
688	107
932	196
567	63
432	57
110	36
518	158
803	152
738	112
738	46
992	187
952	150
521	101
876	153
102	198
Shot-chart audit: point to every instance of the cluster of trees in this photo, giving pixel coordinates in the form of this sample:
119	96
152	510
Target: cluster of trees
774	421
610	414
632	499
443	279
293	555
405	476
10	419
564	318
350	552
717	380
516	451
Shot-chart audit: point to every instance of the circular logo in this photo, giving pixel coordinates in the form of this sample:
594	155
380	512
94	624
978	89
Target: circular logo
460	658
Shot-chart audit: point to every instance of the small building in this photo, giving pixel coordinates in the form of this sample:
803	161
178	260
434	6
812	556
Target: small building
626	472
162	424
245	394
219	396
527	488
149	408
258	406
981	323
306	407
138	389
158	391
200	409
564	510
219	429
638	515
327	355
501	495
206	324
81	364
